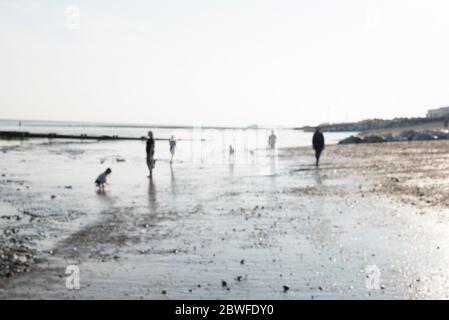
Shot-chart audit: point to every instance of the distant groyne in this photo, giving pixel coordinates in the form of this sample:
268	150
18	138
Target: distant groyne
10	135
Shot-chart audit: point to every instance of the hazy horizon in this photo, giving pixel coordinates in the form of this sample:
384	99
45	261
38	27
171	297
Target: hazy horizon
234	63
143	124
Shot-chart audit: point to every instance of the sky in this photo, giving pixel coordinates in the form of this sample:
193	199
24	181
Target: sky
215	62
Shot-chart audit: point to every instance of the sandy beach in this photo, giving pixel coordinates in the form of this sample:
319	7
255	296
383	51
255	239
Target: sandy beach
274	227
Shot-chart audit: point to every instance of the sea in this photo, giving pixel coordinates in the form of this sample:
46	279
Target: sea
196	143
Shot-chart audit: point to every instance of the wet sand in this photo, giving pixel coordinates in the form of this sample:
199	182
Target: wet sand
270	222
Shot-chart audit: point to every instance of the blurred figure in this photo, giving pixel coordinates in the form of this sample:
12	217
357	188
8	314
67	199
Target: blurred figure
150	154
272	140
101	179
172	144
231	160
318	144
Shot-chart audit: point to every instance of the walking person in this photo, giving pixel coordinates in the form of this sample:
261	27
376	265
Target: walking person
272	140
172	144
318	144
150	154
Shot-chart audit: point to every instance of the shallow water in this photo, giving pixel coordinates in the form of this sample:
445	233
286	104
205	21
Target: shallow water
214	147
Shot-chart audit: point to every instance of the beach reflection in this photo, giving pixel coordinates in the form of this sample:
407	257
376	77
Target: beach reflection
152	200
231	170
105	196
172	180
317	176
273	164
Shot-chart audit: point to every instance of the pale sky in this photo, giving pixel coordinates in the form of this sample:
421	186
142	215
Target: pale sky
223	62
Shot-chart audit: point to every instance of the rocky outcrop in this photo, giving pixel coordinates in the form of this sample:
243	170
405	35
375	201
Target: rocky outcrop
351	140
374	139
409	135
372	124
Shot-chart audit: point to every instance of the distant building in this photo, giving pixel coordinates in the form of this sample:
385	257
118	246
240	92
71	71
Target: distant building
438	113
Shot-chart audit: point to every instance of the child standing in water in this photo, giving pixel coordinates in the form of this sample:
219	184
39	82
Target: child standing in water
150	154
172	143
101	179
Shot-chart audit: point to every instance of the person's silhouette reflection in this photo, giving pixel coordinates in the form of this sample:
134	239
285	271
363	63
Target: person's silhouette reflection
272	165
152	195
318	178
103	192
172	180
231	169
104	196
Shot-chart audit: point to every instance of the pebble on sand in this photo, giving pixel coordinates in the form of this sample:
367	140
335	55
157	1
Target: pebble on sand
241	278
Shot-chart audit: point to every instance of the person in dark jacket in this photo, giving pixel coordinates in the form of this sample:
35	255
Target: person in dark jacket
318	144
150	153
